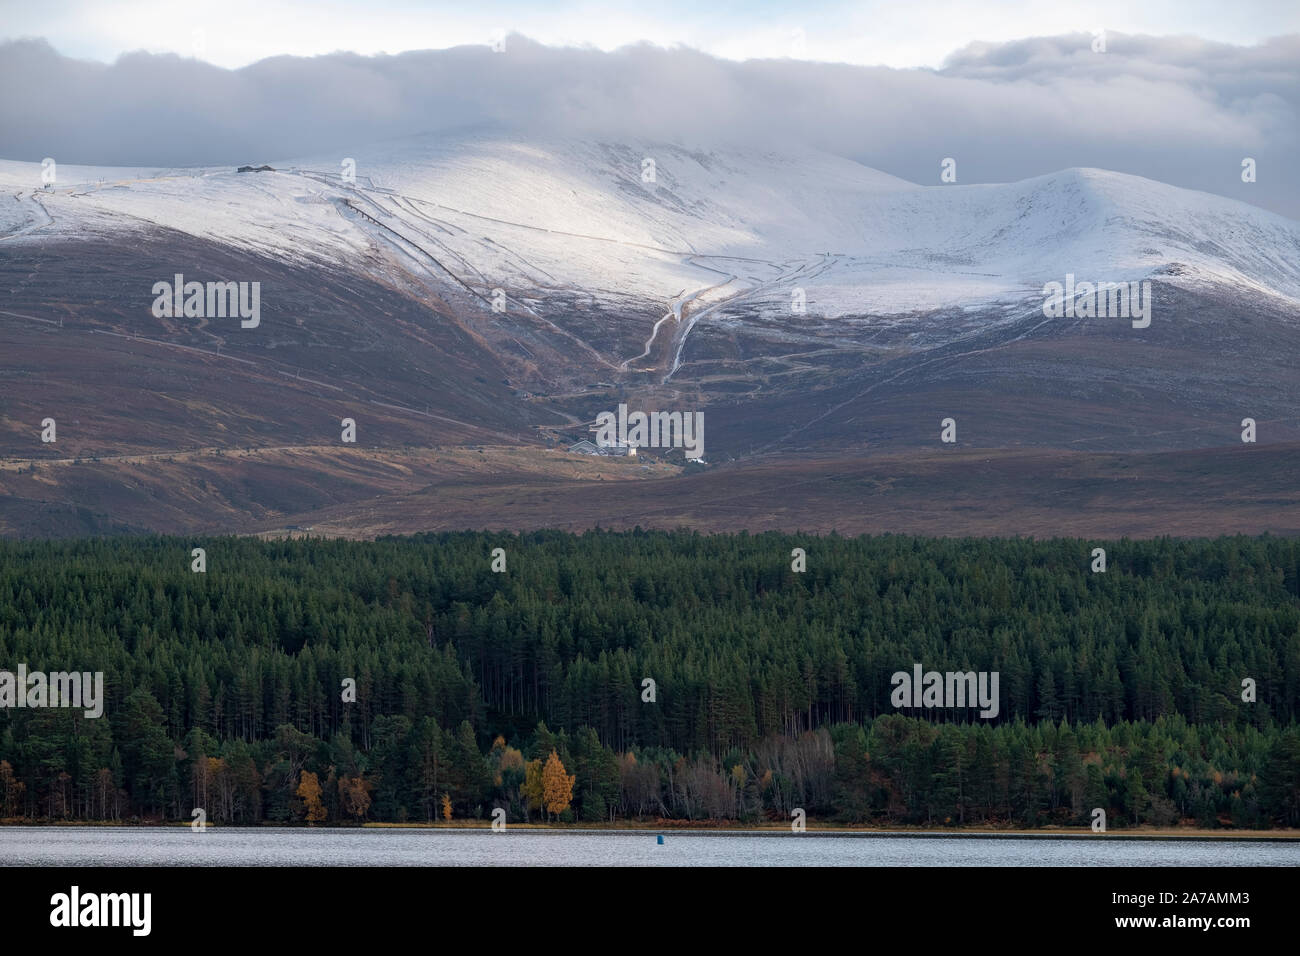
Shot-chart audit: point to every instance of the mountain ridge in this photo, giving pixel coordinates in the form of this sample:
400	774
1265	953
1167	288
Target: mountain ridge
486	291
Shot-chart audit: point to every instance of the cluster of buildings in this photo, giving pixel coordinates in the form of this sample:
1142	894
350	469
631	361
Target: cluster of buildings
586	447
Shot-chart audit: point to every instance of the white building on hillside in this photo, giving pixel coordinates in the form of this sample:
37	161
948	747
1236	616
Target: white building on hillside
586	447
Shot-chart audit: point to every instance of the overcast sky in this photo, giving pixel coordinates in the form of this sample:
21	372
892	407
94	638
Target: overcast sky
1182	93
901	33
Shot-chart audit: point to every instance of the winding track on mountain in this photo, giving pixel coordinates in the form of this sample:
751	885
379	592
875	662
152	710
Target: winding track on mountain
807	269
678	305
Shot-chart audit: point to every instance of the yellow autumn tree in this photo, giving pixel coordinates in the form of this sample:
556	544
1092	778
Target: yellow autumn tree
512	759
504	759
446	807
309	791
533	790
557	786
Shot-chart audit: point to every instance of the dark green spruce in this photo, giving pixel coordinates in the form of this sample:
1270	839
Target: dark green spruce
1120	690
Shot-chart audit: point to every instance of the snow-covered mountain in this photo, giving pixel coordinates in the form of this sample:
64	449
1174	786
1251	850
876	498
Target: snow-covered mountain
539	217
482	290
714	275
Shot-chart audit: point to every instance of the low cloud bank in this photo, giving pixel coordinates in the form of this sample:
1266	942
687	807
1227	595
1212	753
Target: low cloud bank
1176	109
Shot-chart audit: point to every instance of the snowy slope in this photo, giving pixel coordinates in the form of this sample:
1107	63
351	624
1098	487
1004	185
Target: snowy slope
543	217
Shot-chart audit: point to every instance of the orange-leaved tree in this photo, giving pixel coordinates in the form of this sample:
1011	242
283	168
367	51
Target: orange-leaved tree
309	791
557	786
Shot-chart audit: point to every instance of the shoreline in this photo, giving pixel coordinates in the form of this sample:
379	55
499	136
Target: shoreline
1045	833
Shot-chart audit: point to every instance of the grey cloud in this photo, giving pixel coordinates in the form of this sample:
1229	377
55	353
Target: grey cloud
1178	109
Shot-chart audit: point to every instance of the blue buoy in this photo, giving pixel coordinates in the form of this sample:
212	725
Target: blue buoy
660	841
